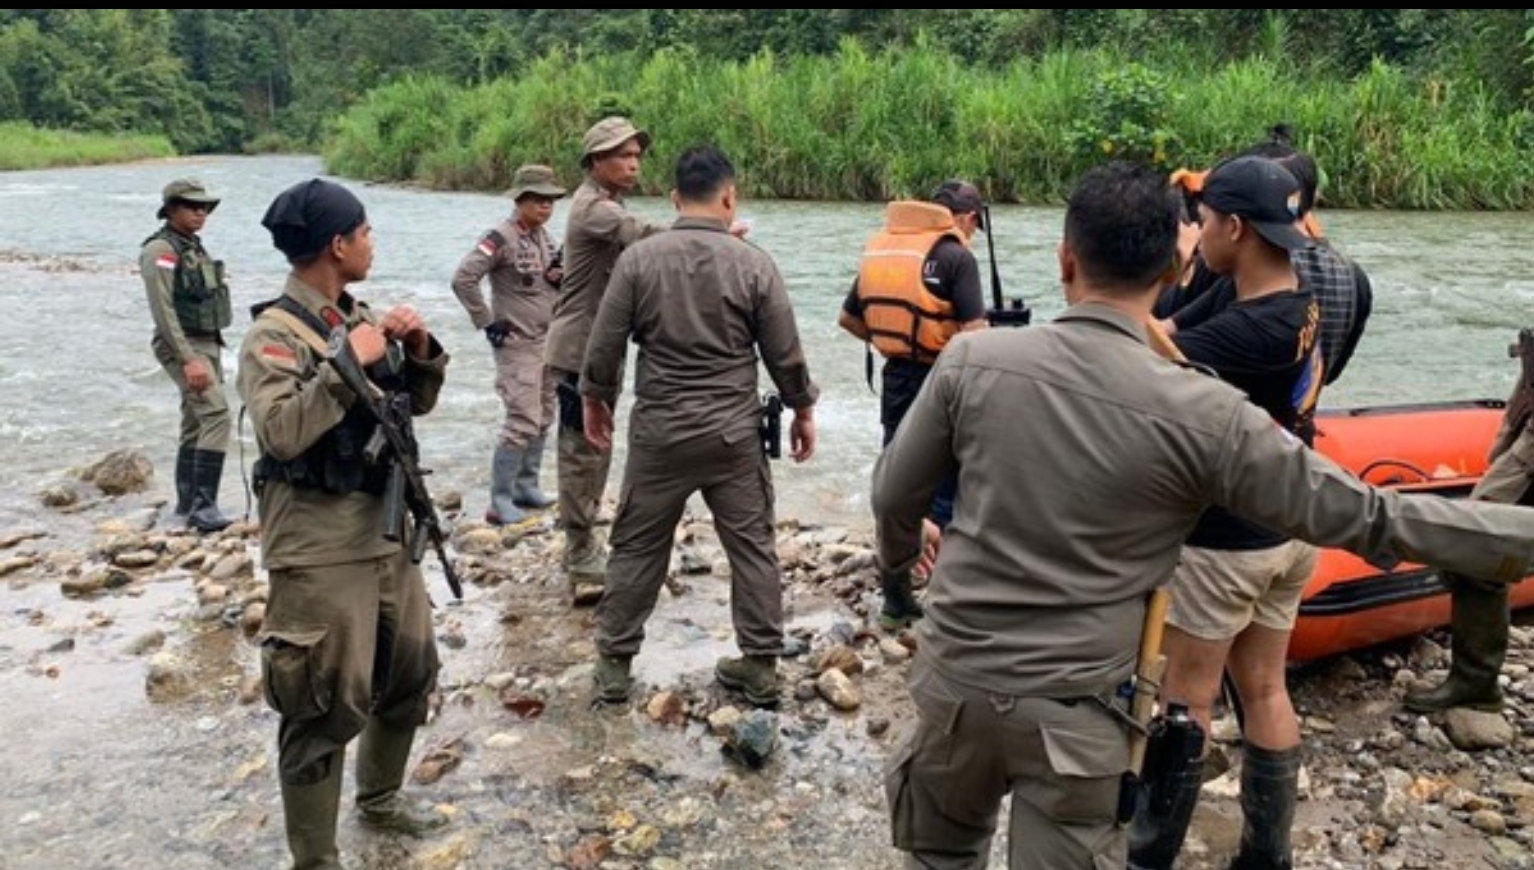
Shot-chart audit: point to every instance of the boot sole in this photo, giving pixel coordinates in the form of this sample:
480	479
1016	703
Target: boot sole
1479	706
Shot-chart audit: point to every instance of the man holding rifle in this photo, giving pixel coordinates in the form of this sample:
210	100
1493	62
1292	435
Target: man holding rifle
346	647
1085	459
918	286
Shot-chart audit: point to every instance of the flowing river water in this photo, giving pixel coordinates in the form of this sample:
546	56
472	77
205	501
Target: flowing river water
95	775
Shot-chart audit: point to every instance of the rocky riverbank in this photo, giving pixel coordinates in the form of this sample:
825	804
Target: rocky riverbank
140	738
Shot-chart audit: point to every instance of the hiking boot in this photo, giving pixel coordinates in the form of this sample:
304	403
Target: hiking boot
756	677
900	608
612	678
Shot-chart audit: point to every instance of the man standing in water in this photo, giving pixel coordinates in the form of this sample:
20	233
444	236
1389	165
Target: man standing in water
522	262
599	227
347	649
189	301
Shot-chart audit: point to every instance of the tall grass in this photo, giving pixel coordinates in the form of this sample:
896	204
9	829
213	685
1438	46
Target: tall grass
23	146
872	125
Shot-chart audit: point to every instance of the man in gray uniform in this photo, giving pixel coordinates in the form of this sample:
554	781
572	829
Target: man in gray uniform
1039	593
597	230
522	261
189	301
702	306
347	646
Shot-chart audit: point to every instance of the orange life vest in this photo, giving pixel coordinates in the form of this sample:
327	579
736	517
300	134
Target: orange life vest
904	318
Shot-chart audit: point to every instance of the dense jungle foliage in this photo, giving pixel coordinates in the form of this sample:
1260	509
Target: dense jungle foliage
1420	108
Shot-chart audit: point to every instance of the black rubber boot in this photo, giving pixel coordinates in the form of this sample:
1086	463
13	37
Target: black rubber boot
207	474
1270	782
900	607
309	813
1478	643
185	479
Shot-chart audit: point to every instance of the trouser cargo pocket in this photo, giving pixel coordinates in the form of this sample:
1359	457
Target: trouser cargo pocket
292	668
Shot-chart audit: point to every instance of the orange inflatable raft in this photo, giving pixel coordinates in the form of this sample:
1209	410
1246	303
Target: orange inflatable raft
1439	448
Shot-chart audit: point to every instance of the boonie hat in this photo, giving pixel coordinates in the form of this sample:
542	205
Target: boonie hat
609	133
1261	192
536	179
186	190
961	197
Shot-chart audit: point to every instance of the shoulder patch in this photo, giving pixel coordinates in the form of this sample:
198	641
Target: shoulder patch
277	351
491	242
166	261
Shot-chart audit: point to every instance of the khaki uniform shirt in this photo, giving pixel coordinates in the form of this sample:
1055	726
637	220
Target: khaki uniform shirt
1084	460
292	400
516	261
157	266
597	230
701	304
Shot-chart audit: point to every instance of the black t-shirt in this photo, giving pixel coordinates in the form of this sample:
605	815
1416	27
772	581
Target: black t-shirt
1265	347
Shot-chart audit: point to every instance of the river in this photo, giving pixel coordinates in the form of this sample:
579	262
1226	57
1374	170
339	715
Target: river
97	776
77	378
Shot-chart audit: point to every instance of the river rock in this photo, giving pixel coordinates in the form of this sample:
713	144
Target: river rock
753	739
121	472
1472	729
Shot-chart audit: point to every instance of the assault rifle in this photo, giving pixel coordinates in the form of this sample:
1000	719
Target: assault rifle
393	442
1015	312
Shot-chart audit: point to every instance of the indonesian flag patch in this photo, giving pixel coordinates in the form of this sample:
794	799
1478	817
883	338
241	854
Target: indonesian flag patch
490	243
166	261
277	351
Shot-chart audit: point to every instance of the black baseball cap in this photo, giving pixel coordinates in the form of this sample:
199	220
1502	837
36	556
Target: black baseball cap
961	197
1261	192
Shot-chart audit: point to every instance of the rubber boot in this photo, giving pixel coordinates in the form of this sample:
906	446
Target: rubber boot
613	678
185	479
1478	624
382	755
1270	783
207	474
504	467
526	492
900	607
309	814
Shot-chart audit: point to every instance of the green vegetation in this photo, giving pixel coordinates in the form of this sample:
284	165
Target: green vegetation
23	146
864	126
1404	108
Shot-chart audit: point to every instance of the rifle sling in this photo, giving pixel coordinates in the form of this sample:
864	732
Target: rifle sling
305	331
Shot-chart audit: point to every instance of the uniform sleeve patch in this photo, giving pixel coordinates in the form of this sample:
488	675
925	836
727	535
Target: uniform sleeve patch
491	242
166	261
277	351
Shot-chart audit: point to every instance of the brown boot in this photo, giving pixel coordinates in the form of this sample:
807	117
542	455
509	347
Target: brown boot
382	755
756	677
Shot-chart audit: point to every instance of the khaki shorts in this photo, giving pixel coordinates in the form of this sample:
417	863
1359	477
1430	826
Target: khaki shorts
1218	593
